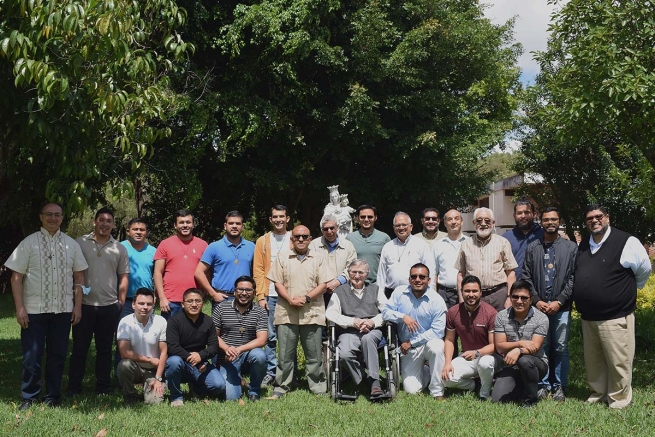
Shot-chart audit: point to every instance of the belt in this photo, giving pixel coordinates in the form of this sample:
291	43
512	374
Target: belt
223	291
495	288
447	289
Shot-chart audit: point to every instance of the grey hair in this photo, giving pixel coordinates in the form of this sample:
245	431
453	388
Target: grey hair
491	213
327	218
401	213
359	262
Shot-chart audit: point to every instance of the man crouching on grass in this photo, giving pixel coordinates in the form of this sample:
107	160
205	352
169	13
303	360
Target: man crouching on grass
141	339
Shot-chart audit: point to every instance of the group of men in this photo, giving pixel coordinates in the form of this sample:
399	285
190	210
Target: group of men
507	298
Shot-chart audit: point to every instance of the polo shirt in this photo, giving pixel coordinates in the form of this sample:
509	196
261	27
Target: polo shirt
472	328
142	265
535	322
106	262
144	340
181	259
237	329
228	262
369	248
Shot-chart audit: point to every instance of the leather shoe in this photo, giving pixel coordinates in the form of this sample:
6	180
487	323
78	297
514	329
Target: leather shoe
376	391
253	398
440	398
53	403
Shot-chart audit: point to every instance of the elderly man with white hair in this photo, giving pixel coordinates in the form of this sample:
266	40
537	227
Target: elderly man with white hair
337	252
401	253
489	257
356	308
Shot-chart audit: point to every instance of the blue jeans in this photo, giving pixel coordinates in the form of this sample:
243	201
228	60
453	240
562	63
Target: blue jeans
49	331
175	307
253	362
556	346
271	343
209	382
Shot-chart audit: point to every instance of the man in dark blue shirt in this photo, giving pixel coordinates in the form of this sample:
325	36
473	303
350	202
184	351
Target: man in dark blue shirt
525	231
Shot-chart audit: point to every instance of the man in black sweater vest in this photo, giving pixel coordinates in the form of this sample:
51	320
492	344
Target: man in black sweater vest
355	307
610	266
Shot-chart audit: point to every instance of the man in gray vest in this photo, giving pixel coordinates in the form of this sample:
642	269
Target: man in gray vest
355	307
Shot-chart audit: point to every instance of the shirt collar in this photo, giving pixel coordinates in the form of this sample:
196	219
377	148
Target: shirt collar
47	234
425	235
237	309
227	242
592	243
510	313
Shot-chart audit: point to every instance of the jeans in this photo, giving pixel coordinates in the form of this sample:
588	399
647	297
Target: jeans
556	346
175	307
100	322
271	343
520	381
253	362
209	382
45	332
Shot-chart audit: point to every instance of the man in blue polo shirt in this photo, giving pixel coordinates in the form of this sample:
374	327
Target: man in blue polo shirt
525	232
228	259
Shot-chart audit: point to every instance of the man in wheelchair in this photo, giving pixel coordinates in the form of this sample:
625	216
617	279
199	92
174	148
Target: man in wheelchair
355	308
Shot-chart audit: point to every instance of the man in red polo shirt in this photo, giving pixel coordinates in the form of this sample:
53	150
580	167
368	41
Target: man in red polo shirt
473	321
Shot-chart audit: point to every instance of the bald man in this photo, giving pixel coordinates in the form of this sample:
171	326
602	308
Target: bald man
300	279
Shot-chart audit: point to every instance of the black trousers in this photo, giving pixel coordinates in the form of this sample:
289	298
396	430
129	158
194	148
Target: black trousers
519	382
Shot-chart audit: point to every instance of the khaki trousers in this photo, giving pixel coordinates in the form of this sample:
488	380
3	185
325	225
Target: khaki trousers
609	349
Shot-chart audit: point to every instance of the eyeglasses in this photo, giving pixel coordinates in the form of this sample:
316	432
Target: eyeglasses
244	290
328	228
431	219
362	217
591	218
401	226
52	214
358	272
480	221
193	301
520	298
421	277
301	237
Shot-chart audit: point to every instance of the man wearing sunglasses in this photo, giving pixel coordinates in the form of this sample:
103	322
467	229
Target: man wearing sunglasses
489	257
337	254
519	335
368	241
300	277
420	317
430	221
242	330
610	267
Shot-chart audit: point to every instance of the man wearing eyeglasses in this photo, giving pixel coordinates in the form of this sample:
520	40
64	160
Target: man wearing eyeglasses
300	277
401	253
368	241
430	233
549	265
242	330
46	283
611	265
489	257
355	307
420	317
519	334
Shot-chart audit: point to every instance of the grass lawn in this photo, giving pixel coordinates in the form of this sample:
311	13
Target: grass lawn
301	413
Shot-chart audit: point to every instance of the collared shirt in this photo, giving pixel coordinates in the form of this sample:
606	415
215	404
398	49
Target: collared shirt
333	312
520	241
369	247
237	329
144	340
633	257
48	262
397	259
487	260
142	265
337	259
472	328
445	255
429	311
535	322
299	277
181	259
228	261
106	261
431	241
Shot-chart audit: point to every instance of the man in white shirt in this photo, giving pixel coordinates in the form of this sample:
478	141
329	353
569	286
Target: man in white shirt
445	255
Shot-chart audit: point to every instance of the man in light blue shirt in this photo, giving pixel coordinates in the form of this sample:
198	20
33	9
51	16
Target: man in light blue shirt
142	263
420	317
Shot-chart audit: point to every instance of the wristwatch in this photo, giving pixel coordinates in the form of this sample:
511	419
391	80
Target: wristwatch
307	298
159	378
477	353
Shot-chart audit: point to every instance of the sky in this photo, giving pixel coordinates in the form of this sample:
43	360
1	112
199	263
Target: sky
531	28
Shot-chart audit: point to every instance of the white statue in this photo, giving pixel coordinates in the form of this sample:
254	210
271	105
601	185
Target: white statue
334	207
338	207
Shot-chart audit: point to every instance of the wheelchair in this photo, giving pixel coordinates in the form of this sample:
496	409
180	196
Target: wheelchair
390	363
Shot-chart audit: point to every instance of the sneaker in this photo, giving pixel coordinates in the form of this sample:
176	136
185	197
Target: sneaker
268	380
177	403
542	393
27	403
558	395
253	398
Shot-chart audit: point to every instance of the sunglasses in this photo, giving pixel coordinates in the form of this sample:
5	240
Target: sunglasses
520	298
301	237
421	277
431	219
328	228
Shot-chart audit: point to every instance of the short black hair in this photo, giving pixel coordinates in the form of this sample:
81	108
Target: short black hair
550	209
144	291
594	207
279	207
420	265
430	210
521	285
367	206
189	291
471	279
233	213
245	278
524	201
182	213
137	220
104	210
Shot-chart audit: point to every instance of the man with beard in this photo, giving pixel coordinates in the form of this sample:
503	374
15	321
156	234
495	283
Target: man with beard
549	265
226	259
176	260
430	221
420	317
242	330
399	254
445	255
489	257
611	265
267	249
525	231
368	241
473	321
